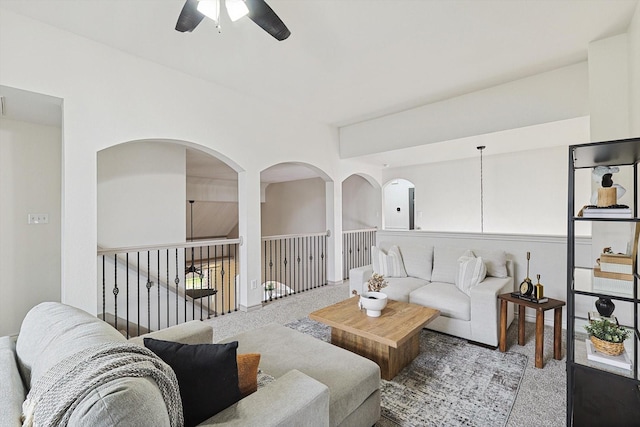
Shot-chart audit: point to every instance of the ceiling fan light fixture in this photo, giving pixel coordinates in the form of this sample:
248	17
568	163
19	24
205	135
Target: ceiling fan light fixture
210	9
236	9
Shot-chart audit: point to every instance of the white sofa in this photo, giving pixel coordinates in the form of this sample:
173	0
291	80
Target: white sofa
431	281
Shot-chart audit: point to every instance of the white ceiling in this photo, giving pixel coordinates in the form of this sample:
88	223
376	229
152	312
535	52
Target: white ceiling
351	60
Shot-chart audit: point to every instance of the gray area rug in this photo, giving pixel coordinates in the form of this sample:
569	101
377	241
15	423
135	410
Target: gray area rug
450	383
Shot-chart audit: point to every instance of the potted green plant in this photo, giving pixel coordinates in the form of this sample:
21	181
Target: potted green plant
607	337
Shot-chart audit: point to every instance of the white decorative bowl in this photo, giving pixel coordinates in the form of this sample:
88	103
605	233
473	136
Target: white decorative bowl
373	302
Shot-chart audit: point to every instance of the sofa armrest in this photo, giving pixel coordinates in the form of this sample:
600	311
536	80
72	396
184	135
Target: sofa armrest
485	309
294	399
12	391
193	332
358	278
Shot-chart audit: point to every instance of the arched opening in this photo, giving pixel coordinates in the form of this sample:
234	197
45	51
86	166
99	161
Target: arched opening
294	229
398	197
361	217
167	268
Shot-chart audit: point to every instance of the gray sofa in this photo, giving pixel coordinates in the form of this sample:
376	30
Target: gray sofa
317	384
430	281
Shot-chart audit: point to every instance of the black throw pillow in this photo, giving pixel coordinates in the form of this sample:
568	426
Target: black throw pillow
207	376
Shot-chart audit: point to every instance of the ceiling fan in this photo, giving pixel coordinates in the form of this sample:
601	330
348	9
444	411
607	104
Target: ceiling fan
194	11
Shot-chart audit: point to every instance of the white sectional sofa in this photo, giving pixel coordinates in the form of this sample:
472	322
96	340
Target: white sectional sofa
443	278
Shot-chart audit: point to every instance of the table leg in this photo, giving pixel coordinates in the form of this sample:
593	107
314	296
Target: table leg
539	337
557	333
503	325
521	324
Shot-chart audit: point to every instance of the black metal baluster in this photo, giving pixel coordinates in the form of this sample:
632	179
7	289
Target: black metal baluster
149	290
222	274
159	304
127	303
235	283
115	290
138	296
209	281
168	281
177	282
104	290
229	277
215	279
286	280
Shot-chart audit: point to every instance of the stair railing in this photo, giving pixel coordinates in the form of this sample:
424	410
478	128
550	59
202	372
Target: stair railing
356	248
147	288
293	263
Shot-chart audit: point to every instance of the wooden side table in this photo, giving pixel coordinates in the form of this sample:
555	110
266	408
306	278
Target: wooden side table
554	304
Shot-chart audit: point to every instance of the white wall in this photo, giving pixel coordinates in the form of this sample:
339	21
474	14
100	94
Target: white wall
556	95
634	72
30	161
524	192
361	204
294	207
111	97
609	90
141	194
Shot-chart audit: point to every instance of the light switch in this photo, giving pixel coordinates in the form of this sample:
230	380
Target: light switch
38	219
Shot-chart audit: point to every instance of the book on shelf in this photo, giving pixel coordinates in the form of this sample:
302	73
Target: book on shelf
616	211
594	315
620	361
529	298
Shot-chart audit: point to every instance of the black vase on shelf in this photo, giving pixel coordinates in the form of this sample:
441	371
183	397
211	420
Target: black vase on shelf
605	307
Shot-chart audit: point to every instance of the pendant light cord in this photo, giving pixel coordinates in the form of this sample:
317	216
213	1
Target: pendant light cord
481	147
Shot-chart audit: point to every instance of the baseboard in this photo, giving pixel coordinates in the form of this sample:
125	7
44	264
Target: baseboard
338	282
250	308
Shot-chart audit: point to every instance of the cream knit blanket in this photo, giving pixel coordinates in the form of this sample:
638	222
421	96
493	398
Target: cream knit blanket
54	396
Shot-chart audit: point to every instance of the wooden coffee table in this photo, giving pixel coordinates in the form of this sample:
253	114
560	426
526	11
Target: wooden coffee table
391	340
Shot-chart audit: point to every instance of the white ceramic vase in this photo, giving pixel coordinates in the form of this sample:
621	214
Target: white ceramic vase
373	302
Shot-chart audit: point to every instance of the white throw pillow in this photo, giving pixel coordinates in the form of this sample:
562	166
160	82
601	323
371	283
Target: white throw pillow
495	260
389	264
471	271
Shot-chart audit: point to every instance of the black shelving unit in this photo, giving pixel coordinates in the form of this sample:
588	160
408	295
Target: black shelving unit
596	394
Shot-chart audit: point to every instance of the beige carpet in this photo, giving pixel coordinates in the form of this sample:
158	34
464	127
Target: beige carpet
541	399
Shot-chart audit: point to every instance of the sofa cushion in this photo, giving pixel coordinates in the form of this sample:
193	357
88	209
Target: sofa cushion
495	260
351	378
12	392
445	297
207	375
471	271
418	261
398	289
51	332
387	264
445	263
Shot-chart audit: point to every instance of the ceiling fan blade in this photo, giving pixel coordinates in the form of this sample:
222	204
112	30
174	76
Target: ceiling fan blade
266	18
189	17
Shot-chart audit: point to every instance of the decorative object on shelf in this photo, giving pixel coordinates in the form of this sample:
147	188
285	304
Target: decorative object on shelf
526	287
594	315
605	306
609	193
539	290
376	282
607	337
373	302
